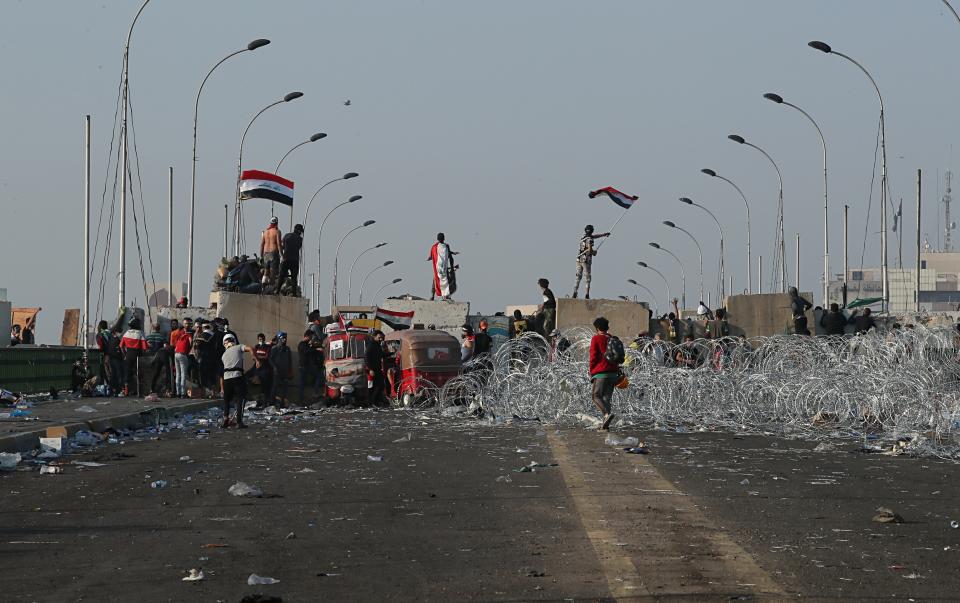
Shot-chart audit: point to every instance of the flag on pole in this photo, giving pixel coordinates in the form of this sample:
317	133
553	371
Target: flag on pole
622	199
255	184
397	321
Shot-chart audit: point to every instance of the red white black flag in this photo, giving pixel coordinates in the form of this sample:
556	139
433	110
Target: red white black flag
394	319
255	184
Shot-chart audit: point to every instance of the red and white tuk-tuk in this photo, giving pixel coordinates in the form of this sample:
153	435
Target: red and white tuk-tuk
422	361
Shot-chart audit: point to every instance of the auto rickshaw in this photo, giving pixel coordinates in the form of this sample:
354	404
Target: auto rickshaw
345	363
420	362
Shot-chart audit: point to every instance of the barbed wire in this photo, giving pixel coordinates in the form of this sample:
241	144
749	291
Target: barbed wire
902	384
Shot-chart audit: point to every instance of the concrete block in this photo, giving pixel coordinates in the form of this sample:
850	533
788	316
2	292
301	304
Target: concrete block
251	314
446	315
6	309
627	319
764	315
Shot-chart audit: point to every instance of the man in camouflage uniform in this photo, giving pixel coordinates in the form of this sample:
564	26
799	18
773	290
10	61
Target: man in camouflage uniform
585	258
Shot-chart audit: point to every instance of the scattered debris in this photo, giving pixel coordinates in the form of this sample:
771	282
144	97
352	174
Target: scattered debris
629	441
89	464
215	545
637	450
824	447
744	482
254	580
9	460
885	515
51	469
374	458
194	575
405	438
243	489
157	485
503	479
85	408
955	524
185	459
291	536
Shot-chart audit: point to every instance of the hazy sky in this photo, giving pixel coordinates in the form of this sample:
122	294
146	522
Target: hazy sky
488	121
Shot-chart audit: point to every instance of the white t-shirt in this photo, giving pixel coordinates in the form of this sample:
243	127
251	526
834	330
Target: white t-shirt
233	361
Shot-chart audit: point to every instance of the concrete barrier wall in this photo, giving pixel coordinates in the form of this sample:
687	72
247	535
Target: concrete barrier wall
764	315
5	323
267	314
627	319
447	316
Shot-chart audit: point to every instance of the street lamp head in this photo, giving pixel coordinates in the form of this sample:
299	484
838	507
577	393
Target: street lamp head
257	43
379	245
292	96
632	282
821	46
770	96
387	263
686	200
669	223
350	175
369	222
354	198
737	138
709	172
317	136
655	245
642	264
396	280
624	298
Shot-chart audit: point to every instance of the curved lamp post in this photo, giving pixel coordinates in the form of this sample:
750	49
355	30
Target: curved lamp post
377	294
193	178
824	47
783	258
336	257
649	292
665	282
713	174
720	289
364	281
776	98
314	138
683	274
352	199
238	213
670	224
354	265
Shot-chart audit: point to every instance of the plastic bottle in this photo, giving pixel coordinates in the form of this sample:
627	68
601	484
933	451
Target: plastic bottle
160	483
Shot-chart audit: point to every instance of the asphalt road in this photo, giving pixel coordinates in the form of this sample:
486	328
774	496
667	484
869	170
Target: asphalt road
446	516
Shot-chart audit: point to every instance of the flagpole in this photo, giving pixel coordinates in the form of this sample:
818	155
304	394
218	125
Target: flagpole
614	226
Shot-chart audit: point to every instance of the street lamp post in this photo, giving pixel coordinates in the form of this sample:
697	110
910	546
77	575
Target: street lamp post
713	174
369	274
314	138
352	199
193	179
238	213
776	98
377	294
782	245
884	277
354	265
665	281
720	288
649	292
336	259
683	275
125	96
699	249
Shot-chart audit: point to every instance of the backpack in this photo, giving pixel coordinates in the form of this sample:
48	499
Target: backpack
615	353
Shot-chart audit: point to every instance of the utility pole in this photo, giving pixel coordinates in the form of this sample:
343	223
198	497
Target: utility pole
917	279
85	323
170	301
846	251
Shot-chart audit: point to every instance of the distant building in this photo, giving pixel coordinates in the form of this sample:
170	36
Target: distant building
165	294
939	280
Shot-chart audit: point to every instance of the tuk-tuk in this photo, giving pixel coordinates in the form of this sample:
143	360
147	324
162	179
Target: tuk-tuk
421	361
345	364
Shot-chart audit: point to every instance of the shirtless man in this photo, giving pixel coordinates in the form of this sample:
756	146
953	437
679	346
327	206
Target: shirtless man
270	250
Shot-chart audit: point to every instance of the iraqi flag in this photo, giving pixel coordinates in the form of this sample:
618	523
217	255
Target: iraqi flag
397	321
622	199
255	184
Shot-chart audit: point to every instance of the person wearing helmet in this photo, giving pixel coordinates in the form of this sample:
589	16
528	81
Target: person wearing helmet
232	384
270	250
281	361
585	258
290	264
798	308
